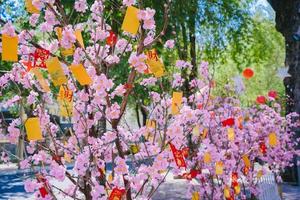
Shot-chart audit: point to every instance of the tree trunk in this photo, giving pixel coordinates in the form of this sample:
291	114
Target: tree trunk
287	23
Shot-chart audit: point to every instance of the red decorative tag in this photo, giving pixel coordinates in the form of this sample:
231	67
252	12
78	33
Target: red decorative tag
234	176
111	40
178	156
228	122
152	55
128	86
44	189
40	56
185	152
116	194
262	147
193	173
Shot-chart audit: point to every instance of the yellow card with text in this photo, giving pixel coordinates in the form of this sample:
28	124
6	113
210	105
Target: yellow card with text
56	72
33	129
219	168
78	36
10	48
65	52
150	123
272	139
176	102
41	79
30	7
155	64
65	100
131	22
81	74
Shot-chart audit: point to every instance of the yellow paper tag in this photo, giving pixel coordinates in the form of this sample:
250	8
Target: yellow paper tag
56	72
67	157
227	192
207	157
10	48
196	196
78	36
150	123
196	131
272	139
154	63
134	148
259	174
131	22
219	168
30	7
80	74
204	133
65	99
246	160
176	102
237	189
230	132
33	129
40	78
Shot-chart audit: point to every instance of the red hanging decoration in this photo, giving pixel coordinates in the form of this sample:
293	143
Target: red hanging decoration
178	156
273	94
193	173
261	100
228	122
111	40
44	189
40	56
116	194
234	176
248	73
185	152
262	147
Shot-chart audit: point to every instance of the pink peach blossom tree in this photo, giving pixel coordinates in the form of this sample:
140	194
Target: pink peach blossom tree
213	140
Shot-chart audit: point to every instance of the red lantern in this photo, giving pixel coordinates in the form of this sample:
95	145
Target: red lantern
248	73
111	40
273	94
261	100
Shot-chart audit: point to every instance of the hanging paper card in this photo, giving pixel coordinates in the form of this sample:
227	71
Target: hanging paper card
207	157
81	74
134	148
150	123
272	139
154	63
78	36
219	168
260	174
41	80
180	162
176	102
230	132
10	48
262	147
40	56
56	72
246	160
237	189
116	194
196	131
195	196
30	7
131	22
65	99
111	40
204	133
227	192
33	129
44	185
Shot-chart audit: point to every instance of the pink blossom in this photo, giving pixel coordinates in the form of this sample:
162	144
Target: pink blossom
57	171
113	112
138	62
149	81
8	29
68	37
33	20
128	2
80	6
31	185
13	131
169	44
121	167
